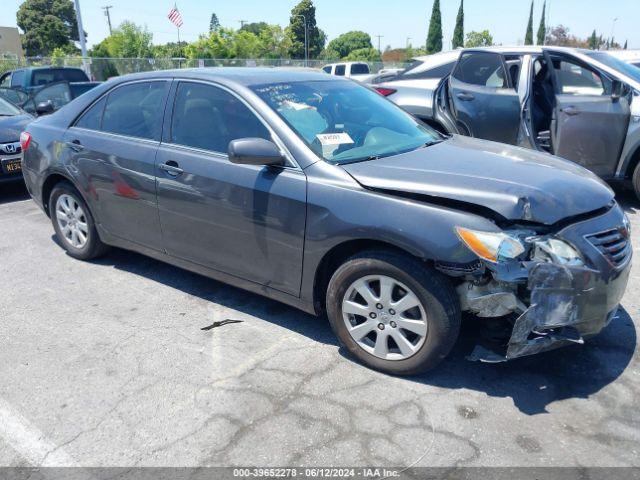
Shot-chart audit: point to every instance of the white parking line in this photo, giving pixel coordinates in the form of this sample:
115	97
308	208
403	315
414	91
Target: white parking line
28	441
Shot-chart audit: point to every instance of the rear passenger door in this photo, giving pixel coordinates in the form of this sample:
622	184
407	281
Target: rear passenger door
114	144
484	97
244	220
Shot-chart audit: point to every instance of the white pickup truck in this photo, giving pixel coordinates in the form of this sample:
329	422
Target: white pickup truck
356	70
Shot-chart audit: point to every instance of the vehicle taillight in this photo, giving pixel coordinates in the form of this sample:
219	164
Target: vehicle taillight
25	140
385	92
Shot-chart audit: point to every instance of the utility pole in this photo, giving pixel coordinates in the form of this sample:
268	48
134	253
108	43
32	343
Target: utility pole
106	12
379	37
408	42
243	23
83	43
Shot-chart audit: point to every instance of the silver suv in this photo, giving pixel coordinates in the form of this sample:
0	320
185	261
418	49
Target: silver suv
578	104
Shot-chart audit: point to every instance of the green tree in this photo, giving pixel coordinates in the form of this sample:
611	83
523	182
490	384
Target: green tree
102	67
458	32
528	38
214	23
348	42
479	39
273	42
542	28
220	44
593	41
169	50
47	24
625	45
368	54
129	41
434	38
295	31
254	28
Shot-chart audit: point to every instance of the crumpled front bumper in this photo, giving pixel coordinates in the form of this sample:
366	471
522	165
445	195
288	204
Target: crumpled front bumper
567	303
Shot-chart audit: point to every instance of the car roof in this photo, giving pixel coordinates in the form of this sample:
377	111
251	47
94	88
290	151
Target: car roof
516	49
247	76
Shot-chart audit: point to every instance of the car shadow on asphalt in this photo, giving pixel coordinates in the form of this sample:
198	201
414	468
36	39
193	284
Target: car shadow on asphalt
14	192
532	382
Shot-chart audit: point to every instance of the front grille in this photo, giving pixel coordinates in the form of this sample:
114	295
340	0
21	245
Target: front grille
613	244
10	149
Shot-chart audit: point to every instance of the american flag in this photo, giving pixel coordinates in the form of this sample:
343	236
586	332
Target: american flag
175	17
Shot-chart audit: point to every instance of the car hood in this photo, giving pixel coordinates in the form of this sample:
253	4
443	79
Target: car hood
516	183
12	127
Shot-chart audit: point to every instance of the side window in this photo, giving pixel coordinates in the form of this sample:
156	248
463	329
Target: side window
340	70
327	69
92	118
135	110
17	78
359	69
5	80
209	118
574	79
481	68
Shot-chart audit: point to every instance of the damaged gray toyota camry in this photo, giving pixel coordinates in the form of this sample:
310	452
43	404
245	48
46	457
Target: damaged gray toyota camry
320	193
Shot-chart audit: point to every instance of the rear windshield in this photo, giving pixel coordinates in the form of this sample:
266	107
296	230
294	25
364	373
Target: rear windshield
43	77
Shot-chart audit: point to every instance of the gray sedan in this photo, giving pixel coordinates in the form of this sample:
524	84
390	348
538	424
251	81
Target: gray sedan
320	193
581	105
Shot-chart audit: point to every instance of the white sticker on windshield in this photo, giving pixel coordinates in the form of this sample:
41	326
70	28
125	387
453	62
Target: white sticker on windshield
334	138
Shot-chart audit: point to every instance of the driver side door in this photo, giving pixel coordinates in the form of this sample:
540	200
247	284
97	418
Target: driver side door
485	102
589	125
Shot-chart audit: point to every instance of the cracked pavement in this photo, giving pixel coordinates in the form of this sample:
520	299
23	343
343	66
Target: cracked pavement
105	364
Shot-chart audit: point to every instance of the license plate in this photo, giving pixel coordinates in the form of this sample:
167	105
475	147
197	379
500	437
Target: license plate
12	166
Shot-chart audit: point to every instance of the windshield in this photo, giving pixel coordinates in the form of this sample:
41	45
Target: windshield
8	109
344	122
623	67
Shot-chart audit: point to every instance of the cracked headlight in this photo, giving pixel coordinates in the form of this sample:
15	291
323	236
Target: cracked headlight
491	246
558	251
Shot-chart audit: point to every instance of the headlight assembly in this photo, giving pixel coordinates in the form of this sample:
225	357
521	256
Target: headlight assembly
491	246
558	251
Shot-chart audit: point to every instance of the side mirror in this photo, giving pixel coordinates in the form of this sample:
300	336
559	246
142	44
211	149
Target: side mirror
255	151
617	90
43	108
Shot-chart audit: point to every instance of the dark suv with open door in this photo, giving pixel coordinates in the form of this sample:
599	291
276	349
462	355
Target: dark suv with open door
581	105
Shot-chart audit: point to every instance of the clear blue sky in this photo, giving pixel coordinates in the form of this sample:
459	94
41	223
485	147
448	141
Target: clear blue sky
396	20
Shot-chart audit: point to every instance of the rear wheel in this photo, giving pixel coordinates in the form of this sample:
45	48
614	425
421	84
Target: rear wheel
393	313
73	223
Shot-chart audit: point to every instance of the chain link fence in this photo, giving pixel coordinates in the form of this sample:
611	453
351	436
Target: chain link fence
100	69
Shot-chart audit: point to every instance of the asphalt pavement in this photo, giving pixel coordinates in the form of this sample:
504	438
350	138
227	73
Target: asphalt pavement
107	364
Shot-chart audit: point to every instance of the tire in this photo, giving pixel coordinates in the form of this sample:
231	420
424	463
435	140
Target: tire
438	307
636	181
65	198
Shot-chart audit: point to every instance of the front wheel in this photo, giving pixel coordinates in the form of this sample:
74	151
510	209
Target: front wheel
73	223
393	313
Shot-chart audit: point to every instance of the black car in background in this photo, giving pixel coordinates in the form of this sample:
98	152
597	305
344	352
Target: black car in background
13	121
320	193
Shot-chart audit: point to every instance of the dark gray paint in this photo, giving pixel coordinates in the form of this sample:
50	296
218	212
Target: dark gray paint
269	229
487	112
12	127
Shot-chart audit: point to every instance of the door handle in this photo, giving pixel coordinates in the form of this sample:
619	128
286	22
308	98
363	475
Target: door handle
465	97
171	168
76	146
571	111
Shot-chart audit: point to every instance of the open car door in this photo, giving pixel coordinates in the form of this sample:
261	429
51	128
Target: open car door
590	117
483	97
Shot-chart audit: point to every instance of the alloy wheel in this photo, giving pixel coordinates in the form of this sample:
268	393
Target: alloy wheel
72	221
384	317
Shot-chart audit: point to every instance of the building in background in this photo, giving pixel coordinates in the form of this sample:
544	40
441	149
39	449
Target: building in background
10	44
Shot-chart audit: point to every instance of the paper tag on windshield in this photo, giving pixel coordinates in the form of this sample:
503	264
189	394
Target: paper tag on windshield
327	139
